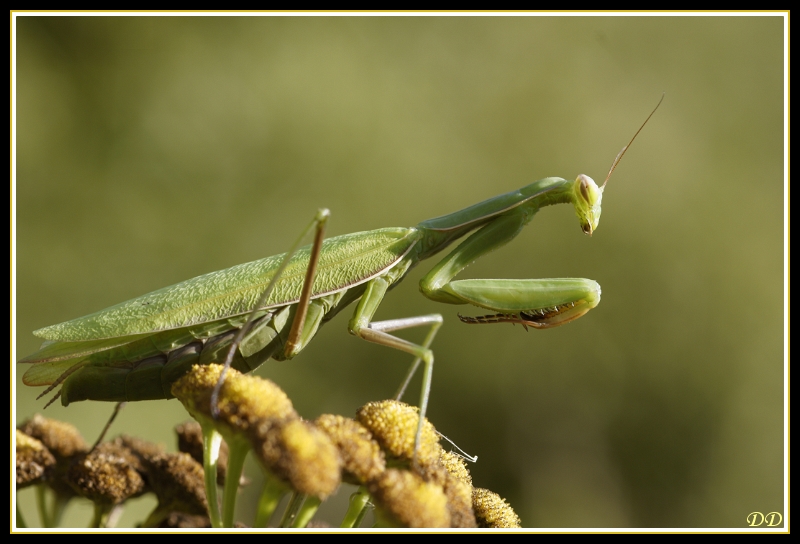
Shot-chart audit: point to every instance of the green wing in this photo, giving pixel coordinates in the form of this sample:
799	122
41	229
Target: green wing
52	351
55	358
345	261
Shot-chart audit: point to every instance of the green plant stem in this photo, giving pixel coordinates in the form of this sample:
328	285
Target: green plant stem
155	517
101	516
20	518
237	452
271	495
59	505
306	512
41	505
211	443
357	509
295	502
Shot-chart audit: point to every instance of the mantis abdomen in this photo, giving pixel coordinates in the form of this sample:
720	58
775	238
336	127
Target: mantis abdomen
146	366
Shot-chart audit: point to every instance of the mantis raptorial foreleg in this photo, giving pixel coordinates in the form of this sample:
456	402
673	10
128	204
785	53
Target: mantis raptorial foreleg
537	303
435	284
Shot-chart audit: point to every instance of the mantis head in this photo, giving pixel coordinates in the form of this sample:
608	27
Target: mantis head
586	198
586	195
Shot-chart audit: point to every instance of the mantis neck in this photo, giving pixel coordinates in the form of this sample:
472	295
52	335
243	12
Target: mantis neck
440	232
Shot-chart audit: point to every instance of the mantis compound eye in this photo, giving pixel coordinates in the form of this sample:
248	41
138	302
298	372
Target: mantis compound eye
588	189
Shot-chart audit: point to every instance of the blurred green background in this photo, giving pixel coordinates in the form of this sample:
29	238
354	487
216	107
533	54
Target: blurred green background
151	150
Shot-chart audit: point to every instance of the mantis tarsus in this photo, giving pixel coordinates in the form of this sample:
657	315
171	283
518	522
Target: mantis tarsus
137	349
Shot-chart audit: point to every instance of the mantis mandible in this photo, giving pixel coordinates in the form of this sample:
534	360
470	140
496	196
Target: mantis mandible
273	307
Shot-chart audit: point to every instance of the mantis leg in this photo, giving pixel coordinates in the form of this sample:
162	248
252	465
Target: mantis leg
297	326
305	296
536	303
378	332
434	320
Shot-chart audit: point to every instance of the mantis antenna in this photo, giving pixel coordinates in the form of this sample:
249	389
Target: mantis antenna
624	149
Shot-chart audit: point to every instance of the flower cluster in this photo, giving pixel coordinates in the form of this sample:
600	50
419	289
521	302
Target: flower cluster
410	482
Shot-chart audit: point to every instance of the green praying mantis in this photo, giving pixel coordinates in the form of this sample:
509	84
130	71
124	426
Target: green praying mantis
273	307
